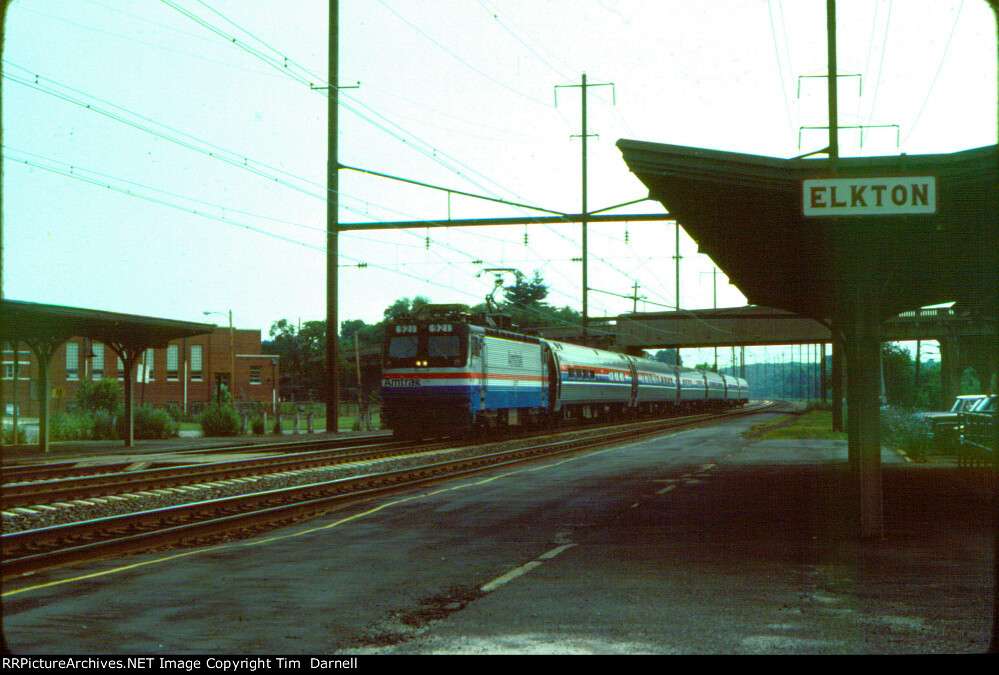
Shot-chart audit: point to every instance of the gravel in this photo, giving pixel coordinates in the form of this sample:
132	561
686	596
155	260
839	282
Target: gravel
47	515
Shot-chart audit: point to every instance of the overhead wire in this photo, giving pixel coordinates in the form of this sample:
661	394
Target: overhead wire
943	58
81	174
148	125
780	68
461	60
325	92
289	66
884	49
276	60
132	38
192	143
503	24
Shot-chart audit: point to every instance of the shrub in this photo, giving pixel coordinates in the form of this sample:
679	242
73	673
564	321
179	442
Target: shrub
219	419
904	430
103	425
8	435
149	422
258	426
70	427
102	395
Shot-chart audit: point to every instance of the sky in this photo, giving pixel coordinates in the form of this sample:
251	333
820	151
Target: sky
168	158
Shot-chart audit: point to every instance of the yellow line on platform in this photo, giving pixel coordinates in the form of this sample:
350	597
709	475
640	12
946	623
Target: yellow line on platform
328	526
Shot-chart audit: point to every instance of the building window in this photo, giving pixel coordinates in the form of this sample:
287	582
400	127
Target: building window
121	369
196	372
147	373
23	361
254	374
173	361
72	360
97	348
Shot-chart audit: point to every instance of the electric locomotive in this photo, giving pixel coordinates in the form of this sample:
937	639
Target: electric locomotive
445	375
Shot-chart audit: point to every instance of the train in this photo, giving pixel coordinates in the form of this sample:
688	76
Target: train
447	373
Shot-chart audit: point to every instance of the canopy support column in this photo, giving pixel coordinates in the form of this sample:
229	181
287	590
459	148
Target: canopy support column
129	355
44	348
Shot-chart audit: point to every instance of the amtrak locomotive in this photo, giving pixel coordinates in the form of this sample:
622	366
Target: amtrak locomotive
444	374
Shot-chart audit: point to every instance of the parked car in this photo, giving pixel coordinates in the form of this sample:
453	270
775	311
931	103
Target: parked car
977	431
944	424
986	405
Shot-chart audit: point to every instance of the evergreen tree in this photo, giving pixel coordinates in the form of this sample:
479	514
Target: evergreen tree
527	294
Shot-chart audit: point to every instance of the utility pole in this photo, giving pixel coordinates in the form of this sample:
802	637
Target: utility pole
677	258
833	93
332	223
585	210
714	297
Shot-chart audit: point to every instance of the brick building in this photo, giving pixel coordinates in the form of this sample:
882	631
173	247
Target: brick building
187	373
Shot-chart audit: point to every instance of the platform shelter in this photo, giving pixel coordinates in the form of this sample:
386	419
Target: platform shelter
44	328
848	242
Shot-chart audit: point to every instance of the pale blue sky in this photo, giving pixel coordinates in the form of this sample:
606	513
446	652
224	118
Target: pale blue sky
459	94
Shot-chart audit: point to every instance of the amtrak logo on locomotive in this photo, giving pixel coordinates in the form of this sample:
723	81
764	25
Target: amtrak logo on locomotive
402	382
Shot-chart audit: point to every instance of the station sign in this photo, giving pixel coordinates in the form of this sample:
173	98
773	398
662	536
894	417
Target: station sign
886	196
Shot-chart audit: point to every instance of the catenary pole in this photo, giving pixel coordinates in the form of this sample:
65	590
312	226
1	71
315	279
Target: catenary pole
994	642
586	313
332	227
584	215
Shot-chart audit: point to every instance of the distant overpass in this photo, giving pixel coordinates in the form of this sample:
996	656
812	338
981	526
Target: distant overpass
755	326
965	341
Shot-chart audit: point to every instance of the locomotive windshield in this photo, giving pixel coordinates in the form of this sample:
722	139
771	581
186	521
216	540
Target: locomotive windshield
435	344
447	346
402	347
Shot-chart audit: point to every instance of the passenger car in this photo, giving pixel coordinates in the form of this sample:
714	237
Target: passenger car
944	424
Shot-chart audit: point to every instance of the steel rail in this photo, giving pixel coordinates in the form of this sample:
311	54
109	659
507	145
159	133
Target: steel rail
70	469
22	554
105	485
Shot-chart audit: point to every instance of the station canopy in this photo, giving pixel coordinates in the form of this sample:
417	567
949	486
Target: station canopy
29	321
786	240
44	328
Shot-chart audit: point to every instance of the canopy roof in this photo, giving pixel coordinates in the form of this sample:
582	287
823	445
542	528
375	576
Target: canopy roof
28	321
746	212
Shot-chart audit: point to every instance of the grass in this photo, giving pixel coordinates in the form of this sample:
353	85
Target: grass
813	424
346	422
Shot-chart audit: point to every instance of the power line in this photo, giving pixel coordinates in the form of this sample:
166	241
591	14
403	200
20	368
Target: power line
433	154
461	60
543	60
943	57
286	66
182	138
780	69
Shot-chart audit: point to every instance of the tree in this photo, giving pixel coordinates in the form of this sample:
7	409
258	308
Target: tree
666	356
301	351
527	294
899	375
404	306
525	304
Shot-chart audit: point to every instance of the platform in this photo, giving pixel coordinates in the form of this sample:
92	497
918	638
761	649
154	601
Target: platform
697	542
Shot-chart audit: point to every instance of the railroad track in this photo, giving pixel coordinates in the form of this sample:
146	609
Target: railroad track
213	520
14	473
66	490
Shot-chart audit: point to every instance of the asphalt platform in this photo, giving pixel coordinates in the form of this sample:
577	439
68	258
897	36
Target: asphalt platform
761	573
